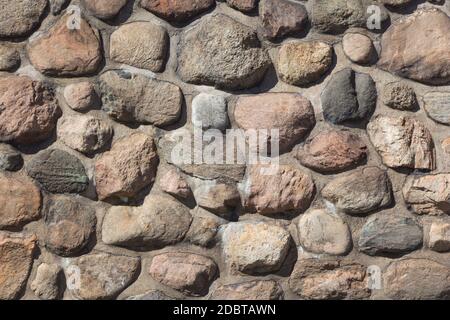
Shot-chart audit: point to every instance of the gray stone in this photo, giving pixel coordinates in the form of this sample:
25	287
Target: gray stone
57	6
104	9
437	106
335	16
249	290
46	283
204	228
9	58
20	17
209	112
400	96
349	96
390	234
10	158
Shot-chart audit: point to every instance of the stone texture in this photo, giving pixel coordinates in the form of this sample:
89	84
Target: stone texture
135	98
10	158
362	191
396	3
56	6
177	10
290	113
437	106
189	273
428	194
140	44
221	199
288	190
204	228
400	96
349	96
20	17
402	142
16	259
86	134
222	52
324	233
129	167
20	200
417	279
174	184
209	112
104	9
103	275
358	48
58	171
412	50
254	247
250	290
243	5
303	63
439	236
45	285
151	295
280	18
81	96
314	279
332	151
9	58
29	110
390	234
159	222
69	224
63	51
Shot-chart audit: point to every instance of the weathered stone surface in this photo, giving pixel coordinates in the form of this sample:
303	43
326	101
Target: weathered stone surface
332	151
204	228
103	275
177	10
159	222
437	106
280	18
358	48
412	50
250	290
104	9
56	6
305	62
222	52
9	58
221	199
243	5
390	234
254	247
290	113
86	134
58	171
400	96
20	17
173	183
132	98
29	110
396	3
20	200
10	158
209	112
289	189
335	16
64	51
439	236
417	279
129	167
331	280
16	259
189	273
428	194
322	232
140	44
151	295
81	96
402	142
69	224
359	192
45	285
349	96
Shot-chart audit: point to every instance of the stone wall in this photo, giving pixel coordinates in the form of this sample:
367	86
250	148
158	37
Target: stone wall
93	94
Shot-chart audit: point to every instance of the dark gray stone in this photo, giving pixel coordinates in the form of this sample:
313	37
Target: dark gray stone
10	158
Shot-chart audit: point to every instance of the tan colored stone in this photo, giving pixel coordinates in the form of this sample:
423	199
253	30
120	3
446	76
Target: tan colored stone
46	283
250	290
358	48
439	236
174	183
20	17
104	9
221	199
81	96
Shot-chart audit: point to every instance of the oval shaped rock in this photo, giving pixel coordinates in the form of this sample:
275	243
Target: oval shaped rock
29	110
358	48
290	113
58	171
332	151
177	10
437	106
20	17
322	232
129	167
135	98
104	9
189	273
390	234
360	192
250	290
222	52
81	96
243	5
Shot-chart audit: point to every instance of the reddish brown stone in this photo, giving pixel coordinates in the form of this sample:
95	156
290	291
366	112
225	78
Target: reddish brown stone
105	9
177	10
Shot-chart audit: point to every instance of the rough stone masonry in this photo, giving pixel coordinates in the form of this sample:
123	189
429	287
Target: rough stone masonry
93	205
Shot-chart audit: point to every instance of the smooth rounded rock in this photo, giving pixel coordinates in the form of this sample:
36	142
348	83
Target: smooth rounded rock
249	290
437	106
358	48
81	96
104	9
177	10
